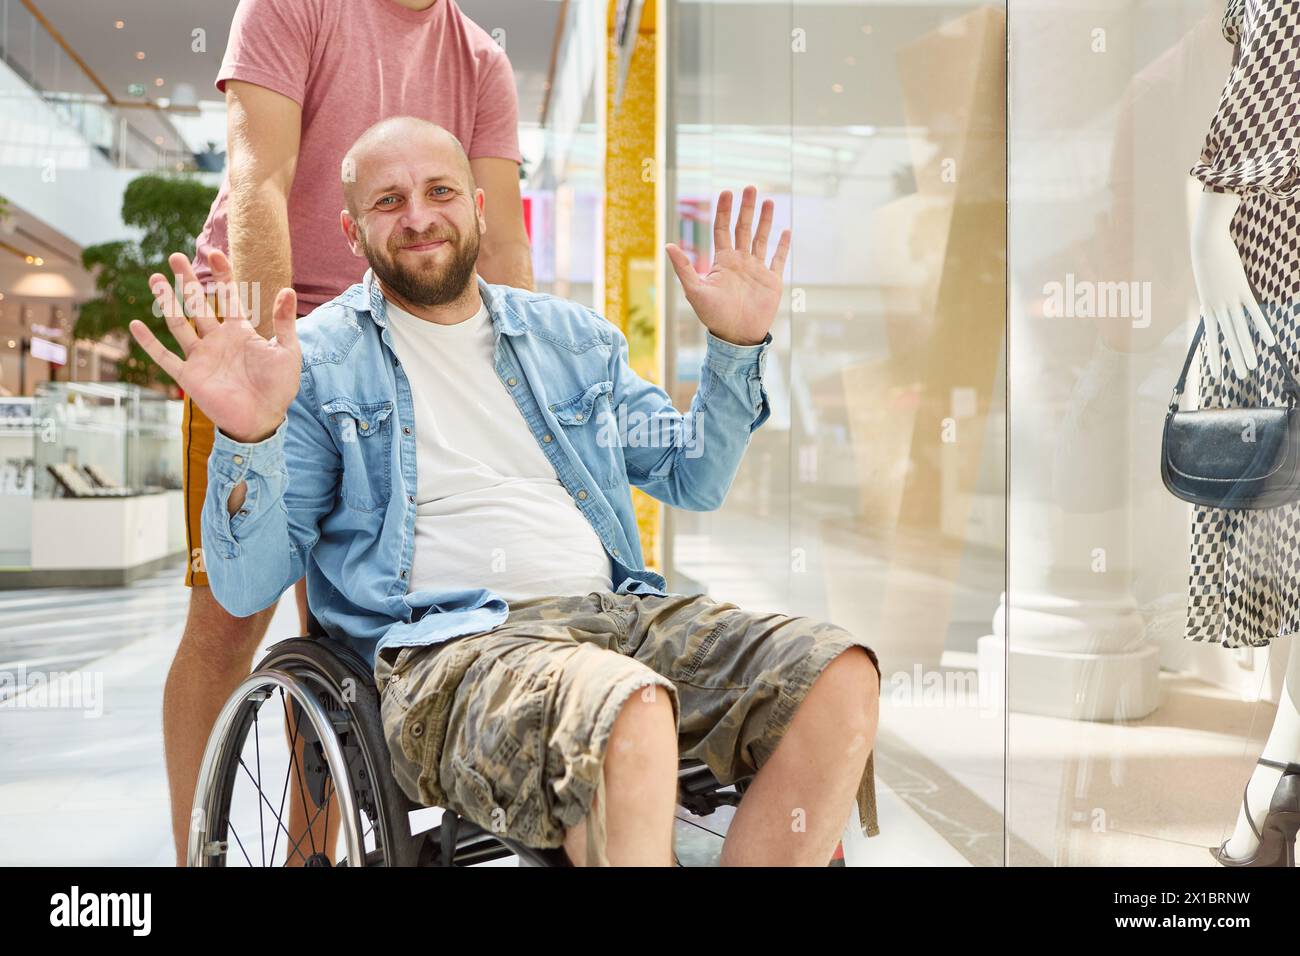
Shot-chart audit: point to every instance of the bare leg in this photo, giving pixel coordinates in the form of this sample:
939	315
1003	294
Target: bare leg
300	593
640	785
215	654
794	810
1283	744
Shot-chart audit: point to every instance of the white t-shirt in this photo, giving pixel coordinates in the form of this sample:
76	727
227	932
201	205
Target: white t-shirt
491	511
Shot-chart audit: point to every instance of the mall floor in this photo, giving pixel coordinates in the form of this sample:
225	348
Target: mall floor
89	788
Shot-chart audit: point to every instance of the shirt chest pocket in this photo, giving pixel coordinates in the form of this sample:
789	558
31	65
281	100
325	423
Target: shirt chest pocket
364	436
592	429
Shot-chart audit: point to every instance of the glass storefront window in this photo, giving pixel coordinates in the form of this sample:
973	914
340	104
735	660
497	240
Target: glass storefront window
874	495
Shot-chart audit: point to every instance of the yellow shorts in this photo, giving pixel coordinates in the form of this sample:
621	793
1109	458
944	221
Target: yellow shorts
196	436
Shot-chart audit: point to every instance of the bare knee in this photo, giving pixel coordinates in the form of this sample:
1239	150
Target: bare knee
850	685
218	638
645	727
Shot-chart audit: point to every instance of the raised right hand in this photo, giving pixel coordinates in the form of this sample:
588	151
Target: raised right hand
242	381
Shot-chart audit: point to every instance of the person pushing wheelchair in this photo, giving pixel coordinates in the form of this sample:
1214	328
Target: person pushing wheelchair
442	458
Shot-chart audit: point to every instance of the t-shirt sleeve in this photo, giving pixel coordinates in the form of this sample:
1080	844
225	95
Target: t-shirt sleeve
270	45
1254	136
496	115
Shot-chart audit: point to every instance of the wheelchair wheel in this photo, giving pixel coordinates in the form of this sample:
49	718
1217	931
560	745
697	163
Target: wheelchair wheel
251	767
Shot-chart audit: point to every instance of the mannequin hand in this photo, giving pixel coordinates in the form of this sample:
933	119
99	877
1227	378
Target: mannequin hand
1223	288
737	299
243	382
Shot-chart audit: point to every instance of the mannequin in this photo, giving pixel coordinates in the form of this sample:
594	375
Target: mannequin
1245	576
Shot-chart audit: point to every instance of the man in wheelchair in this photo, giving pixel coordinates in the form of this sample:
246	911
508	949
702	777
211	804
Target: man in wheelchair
449	463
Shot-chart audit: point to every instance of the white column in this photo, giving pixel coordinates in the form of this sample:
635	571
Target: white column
1077	642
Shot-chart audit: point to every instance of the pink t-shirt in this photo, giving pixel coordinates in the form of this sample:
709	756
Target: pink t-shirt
349	64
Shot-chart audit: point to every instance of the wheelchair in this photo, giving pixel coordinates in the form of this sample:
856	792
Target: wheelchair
327	693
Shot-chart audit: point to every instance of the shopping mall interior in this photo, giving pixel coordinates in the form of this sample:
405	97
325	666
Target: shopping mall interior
878	495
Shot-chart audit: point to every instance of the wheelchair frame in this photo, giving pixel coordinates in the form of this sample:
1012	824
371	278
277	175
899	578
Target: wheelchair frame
345	755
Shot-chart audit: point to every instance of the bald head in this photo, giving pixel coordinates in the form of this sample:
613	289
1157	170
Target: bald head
377	145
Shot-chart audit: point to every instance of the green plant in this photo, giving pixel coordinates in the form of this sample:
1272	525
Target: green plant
170	212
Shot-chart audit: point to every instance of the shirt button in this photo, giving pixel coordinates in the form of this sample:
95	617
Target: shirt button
403	575
582	493
546	438
616	552
365	425
406	429
417	729
411	498
578	417
511	381
395	362
243	511
238	460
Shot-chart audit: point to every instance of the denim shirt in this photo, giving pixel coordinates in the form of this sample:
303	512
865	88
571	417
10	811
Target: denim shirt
332	493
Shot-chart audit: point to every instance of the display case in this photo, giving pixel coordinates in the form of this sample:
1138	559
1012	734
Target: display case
97	439
104	480
17	470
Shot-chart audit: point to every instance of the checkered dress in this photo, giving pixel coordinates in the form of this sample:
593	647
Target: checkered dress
1245	565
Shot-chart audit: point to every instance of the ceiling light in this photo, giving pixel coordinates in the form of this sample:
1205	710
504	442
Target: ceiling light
157	81
119	24
139	54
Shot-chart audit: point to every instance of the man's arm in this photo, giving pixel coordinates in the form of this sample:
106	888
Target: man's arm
263	130
255	547
690	460
505	257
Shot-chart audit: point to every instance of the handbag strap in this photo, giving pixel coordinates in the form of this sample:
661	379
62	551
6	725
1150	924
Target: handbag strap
1291	386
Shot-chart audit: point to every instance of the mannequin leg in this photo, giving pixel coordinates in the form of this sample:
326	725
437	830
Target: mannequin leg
1283	744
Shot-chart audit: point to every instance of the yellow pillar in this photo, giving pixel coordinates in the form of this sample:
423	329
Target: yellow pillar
633	228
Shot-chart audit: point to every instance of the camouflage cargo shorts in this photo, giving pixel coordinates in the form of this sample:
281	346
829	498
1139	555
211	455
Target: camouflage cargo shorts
508	727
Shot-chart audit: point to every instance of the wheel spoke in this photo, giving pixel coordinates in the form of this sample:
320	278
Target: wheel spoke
257	746
231	827
278	819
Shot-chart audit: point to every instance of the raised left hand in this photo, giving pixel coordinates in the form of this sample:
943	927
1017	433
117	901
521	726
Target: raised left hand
738	297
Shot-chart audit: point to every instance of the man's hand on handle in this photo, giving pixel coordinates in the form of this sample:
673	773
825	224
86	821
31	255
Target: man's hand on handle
243	382
738	298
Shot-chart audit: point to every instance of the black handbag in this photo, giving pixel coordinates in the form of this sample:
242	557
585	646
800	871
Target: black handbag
1234	458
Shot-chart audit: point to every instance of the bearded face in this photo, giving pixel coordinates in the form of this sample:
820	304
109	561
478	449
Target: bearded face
420	272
